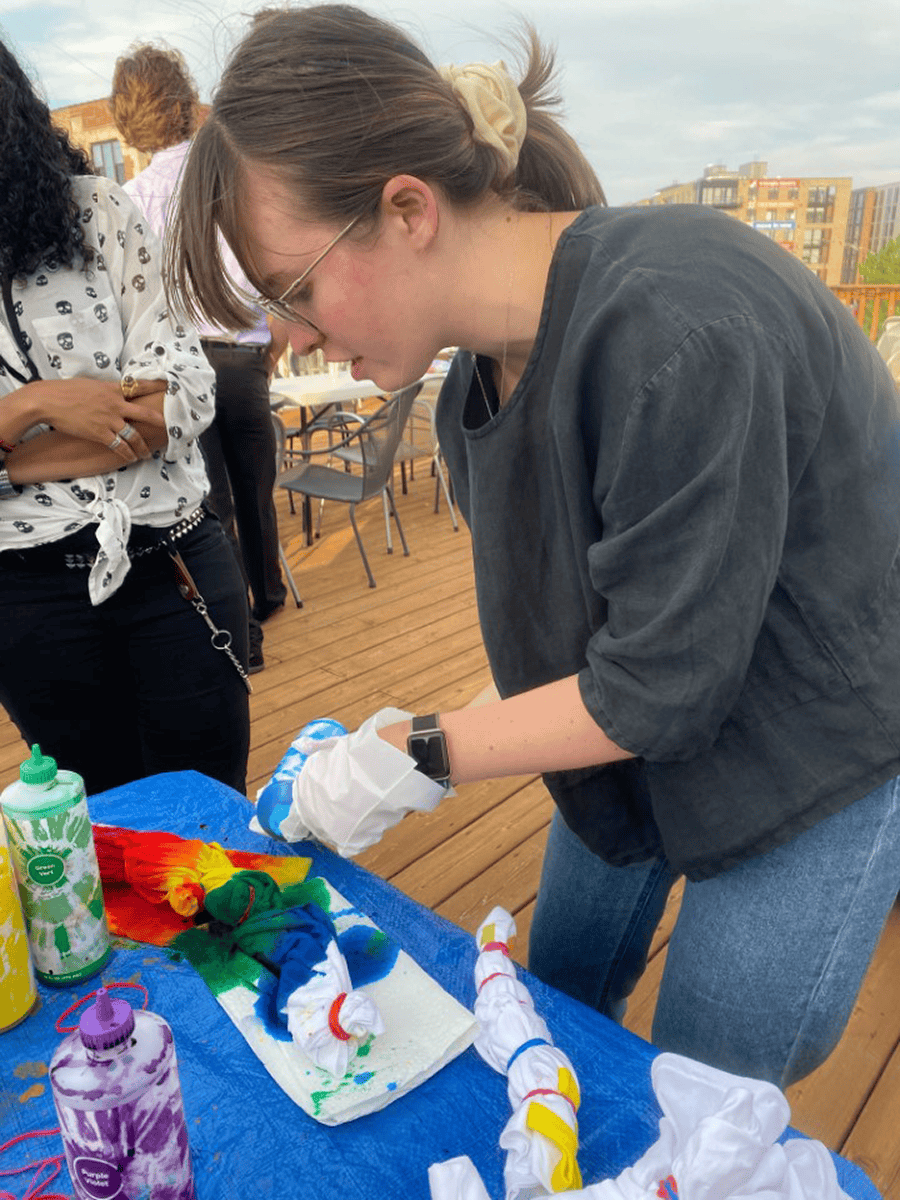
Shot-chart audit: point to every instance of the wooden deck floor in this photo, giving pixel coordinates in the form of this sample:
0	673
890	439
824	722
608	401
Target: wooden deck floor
414	641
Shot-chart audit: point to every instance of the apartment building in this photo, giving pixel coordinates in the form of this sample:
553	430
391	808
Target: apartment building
90	126
806	216
874	221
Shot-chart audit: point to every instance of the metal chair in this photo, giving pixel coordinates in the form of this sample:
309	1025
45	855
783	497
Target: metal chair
369	442
280	442
420	441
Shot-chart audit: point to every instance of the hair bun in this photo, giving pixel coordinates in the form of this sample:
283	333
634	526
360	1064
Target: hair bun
490	96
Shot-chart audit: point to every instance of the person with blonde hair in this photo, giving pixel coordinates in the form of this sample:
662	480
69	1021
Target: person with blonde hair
676	454
155	107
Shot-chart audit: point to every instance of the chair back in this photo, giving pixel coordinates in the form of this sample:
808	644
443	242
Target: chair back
379	436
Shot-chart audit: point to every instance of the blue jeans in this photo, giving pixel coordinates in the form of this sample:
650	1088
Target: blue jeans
132	686
765	961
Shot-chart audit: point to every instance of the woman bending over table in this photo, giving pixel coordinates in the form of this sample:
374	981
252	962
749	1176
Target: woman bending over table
103	393
676	453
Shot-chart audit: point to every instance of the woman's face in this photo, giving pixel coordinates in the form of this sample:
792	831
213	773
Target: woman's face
361	297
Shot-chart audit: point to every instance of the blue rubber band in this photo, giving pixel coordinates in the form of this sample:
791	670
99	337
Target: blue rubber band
525	1046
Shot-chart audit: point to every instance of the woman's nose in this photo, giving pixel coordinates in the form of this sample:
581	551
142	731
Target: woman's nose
304	340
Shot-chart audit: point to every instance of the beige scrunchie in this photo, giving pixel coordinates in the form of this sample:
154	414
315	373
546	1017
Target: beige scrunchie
489	95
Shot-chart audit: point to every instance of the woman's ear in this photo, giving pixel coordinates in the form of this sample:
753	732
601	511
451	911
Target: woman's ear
412	207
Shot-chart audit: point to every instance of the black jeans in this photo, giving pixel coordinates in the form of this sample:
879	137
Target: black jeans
239	449
133	686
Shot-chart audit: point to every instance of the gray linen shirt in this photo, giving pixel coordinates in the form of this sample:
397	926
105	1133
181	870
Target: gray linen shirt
692	501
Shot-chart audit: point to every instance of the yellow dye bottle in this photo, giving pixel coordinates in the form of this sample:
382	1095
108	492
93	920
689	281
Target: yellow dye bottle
18	993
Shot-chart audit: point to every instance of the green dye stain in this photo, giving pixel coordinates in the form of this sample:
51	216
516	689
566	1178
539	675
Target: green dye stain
61	939
56	908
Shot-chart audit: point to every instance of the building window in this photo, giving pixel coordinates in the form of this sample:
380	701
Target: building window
773	193
793	193
791	214
719	196
108	161
771	214
820	206
815	245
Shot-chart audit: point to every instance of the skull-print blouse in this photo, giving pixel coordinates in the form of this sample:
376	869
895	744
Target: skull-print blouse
105	321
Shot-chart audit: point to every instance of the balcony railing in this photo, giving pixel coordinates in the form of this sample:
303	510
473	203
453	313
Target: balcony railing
870	303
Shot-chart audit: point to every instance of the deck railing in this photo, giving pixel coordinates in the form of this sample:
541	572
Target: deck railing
870	303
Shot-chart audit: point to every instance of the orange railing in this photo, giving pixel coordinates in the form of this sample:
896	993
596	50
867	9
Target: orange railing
871	303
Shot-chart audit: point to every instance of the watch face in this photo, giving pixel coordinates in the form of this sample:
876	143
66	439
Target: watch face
430	752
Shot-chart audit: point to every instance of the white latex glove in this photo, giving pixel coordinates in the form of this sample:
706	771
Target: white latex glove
351	789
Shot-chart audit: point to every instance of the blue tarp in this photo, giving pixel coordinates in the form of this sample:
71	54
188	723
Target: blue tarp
247	1137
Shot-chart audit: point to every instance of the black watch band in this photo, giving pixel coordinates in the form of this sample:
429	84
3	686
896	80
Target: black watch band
427	745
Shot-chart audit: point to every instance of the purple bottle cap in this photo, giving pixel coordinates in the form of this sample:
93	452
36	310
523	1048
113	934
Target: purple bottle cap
107	1022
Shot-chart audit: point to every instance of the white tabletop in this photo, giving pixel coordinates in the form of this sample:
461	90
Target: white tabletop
305	391
322	388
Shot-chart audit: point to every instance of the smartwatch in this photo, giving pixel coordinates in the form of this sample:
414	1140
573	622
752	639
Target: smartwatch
427	745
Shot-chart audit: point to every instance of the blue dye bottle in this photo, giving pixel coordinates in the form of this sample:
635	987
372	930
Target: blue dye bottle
273	802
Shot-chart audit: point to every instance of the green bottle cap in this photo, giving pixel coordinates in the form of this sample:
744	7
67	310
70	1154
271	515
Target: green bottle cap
40	768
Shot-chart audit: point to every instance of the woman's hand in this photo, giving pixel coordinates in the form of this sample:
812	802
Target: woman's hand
93	410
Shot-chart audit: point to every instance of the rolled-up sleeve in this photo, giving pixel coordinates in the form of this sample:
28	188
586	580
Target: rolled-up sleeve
693	525
157	343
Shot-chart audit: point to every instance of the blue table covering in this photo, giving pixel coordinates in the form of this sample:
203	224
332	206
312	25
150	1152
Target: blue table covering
247	1137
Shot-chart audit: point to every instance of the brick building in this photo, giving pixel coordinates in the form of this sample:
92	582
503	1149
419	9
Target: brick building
806	216
873	222
90	125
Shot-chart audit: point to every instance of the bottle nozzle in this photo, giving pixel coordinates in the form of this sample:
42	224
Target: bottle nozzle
39	768
107	1022
105	1010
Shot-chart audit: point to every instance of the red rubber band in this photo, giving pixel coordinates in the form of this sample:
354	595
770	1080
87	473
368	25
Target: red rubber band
549	1092
84	999
6	447
341	1034
496	975
501	946
246	913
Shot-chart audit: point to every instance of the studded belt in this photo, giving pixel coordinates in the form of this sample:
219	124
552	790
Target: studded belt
145	539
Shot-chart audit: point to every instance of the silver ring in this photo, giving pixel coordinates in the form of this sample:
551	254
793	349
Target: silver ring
115	443
127	432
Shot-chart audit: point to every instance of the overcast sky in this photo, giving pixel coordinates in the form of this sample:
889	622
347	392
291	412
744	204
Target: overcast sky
654	90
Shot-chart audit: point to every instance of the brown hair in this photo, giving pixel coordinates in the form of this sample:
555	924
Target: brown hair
337	102
154	99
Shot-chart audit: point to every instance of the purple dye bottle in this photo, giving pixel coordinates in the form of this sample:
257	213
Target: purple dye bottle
117	1095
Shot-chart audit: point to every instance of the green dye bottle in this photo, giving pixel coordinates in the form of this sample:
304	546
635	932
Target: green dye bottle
52	847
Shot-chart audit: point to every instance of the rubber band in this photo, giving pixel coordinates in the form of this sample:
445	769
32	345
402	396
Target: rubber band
550	1092
35	1188
521	1050
84	999
5	446
496	975
333	1024
501	946
246	913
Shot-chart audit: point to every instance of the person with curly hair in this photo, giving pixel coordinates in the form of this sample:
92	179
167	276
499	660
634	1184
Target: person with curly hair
104	393
154	104
677	456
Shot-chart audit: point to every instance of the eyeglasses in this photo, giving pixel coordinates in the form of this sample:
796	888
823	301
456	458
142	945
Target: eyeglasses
280	309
